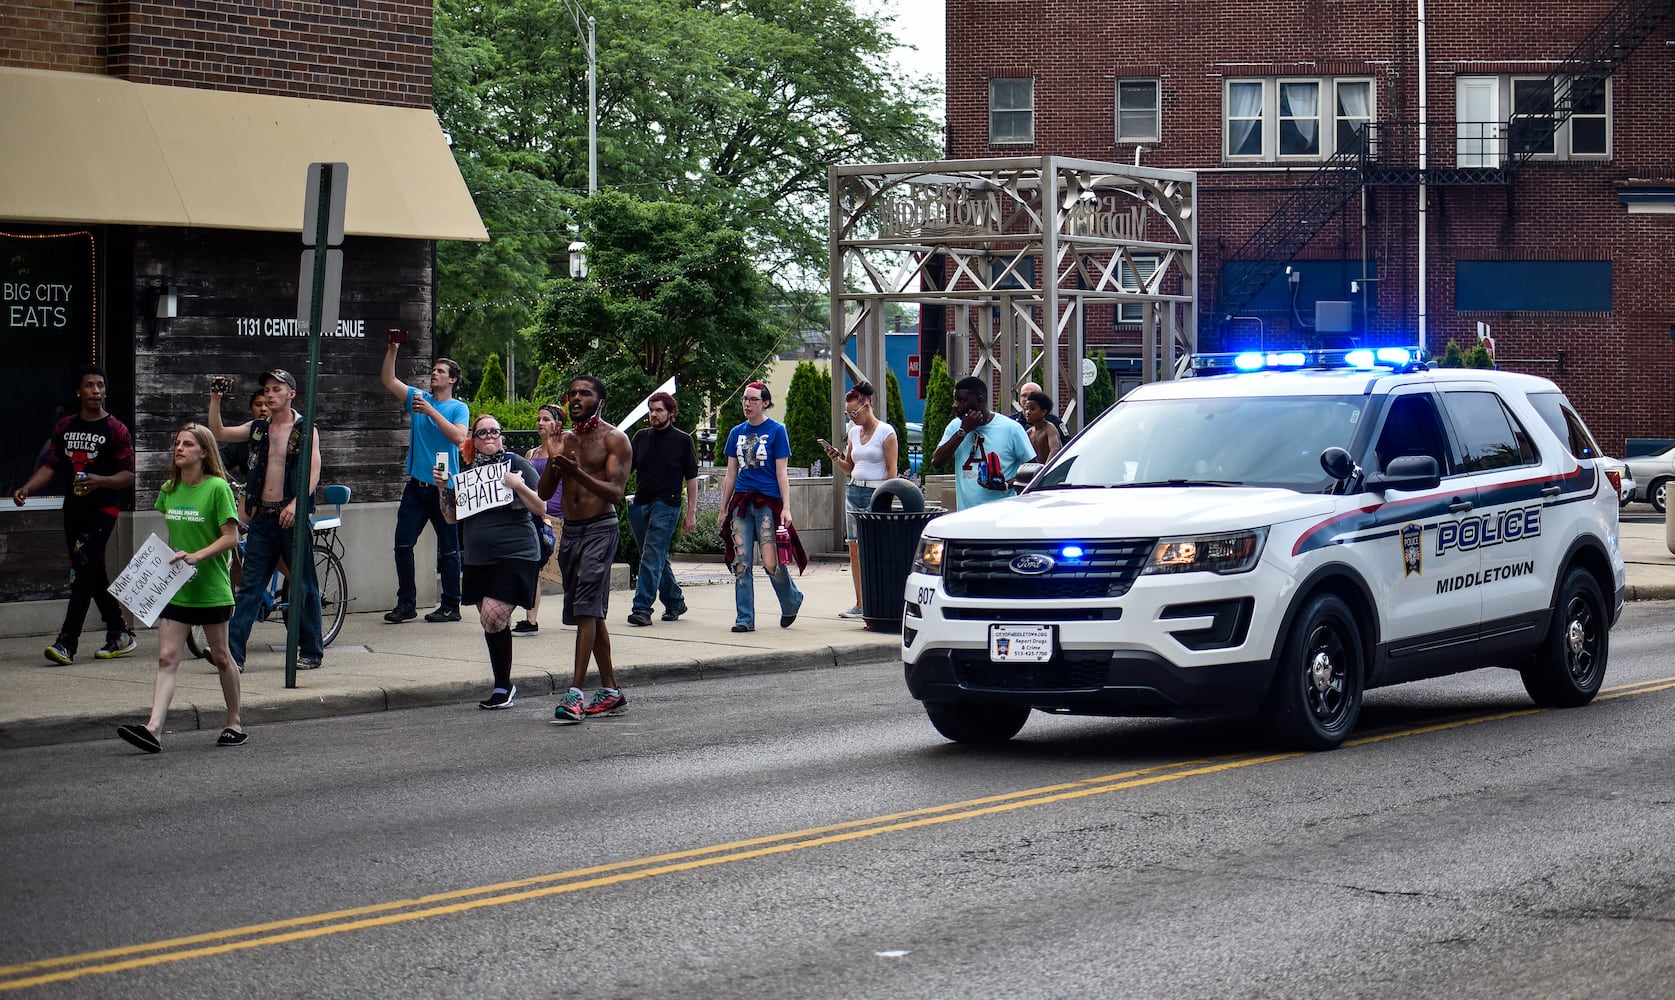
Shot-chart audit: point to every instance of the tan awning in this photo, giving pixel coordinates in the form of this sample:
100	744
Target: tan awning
84	148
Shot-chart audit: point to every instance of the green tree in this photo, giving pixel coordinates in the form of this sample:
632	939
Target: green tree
1452	357
939	409
1099	396
1478	357
739	104
805	411
549	387
491	388
897	418
671	291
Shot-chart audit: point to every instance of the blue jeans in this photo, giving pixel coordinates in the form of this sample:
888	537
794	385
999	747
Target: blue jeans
756	526
421	505
265	545
653	525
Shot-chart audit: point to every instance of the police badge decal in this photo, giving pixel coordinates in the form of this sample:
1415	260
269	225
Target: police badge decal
1412	549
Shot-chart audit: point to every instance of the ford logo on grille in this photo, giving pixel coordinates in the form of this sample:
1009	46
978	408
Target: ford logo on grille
1032	564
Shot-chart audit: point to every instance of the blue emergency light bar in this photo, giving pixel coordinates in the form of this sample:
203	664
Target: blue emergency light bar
1401	359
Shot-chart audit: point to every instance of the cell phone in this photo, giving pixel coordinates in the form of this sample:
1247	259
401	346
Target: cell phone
397	336
220	384
822	442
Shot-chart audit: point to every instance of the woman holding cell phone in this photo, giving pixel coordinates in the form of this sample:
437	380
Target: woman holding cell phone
198	508
868	458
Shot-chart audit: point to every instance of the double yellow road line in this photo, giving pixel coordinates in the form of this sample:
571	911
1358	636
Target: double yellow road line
180	949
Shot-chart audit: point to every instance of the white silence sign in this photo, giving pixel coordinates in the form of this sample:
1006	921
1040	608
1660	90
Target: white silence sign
480	488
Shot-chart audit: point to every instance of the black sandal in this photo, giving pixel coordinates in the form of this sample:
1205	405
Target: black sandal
140	737
232	738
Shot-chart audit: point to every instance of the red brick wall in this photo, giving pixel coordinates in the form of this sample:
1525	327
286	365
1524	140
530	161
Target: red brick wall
67	35
371	51
1619	366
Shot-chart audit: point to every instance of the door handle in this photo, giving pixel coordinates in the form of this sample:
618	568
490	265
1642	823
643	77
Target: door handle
1459	506
1551	491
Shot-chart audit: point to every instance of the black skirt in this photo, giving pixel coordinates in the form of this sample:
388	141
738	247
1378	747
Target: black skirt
510	581
197	616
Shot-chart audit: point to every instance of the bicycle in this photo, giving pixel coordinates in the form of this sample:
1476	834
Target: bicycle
328	571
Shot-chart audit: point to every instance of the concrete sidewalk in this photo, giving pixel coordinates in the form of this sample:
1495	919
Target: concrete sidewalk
374	666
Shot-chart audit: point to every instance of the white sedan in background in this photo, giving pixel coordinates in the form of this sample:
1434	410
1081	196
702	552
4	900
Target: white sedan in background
1652	475
1616	470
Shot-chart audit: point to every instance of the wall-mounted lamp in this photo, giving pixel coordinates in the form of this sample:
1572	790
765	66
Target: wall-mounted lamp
578	260
167	307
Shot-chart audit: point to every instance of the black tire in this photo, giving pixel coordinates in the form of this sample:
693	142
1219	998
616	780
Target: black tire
980	724
1569	668
334	593
1316	698
197	643
1658	495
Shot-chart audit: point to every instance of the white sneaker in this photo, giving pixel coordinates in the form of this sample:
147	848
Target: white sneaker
854	612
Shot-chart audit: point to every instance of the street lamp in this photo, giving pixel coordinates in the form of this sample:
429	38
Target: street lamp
578	260
577	15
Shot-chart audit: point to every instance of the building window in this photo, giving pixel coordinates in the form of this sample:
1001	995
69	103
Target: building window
1278	119
1011	111
1146	264
1534	121
1244	117
1138	117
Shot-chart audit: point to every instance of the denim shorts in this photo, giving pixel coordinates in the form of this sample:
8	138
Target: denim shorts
854	498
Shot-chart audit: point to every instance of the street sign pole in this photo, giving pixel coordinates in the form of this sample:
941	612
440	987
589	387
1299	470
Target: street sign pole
322	224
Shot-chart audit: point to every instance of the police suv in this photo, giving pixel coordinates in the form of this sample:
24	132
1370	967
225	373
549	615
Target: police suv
1276	533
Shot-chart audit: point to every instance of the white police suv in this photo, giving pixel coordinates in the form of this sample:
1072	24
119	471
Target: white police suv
1276	533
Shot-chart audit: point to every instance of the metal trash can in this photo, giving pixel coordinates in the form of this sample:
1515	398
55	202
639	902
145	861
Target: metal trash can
885	542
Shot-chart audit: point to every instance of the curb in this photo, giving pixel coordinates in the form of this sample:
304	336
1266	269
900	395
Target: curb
184	718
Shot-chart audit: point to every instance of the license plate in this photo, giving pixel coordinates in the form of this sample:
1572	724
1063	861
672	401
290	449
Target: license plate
1021	643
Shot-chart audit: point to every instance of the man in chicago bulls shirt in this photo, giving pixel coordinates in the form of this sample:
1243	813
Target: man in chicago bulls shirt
94	452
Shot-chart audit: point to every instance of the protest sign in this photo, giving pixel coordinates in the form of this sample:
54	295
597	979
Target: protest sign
150	580
480	488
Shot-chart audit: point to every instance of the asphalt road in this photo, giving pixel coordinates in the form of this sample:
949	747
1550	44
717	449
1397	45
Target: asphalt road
809	835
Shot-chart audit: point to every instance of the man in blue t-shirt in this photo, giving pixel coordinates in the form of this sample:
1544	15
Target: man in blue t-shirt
439	427
984	447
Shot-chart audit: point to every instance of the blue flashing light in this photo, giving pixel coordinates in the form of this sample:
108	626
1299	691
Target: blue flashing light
1250	361
1071	552
1359	359
1398	356
1288	359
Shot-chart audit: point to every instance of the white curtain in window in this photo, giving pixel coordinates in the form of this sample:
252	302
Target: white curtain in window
1299	119
1244	119
1355	110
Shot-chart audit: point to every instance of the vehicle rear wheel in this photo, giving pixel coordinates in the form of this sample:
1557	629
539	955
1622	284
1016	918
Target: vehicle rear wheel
1316	698
1658	494
1569	668
966	723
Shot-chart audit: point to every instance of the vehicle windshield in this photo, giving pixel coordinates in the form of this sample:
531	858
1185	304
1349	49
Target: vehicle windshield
1265	441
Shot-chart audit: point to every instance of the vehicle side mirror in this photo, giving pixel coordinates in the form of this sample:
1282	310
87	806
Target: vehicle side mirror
1410	472
1027	472
1337	463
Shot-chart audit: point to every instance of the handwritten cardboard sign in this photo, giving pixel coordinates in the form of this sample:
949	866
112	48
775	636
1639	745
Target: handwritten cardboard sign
480	488
150	580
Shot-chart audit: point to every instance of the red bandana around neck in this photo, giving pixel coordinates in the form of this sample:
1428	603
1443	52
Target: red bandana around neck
582	427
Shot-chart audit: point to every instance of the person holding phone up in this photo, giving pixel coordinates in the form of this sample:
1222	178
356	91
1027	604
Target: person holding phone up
868	459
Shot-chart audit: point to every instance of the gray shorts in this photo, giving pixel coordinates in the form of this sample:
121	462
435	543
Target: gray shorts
585	552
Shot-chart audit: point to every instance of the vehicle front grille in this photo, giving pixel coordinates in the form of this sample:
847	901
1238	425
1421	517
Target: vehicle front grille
1077	671
1106	568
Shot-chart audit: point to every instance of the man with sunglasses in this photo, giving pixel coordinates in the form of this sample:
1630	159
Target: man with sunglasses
437	428
985	447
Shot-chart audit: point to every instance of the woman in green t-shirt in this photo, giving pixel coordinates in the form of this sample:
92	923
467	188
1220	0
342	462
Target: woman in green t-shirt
197	505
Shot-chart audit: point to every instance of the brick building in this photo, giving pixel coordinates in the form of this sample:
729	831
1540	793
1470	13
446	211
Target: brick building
151	195
1547	184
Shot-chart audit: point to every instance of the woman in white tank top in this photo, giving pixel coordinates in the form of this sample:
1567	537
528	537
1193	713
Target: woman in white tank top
868	459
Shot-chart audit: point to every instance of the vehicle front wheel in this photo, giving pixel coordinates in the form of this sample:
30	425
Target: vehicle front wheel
1316	698
1658	494
1569	668
966	723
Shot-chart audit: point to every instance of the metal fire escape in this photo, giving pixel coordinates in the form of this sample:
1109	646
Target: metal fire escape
1388	154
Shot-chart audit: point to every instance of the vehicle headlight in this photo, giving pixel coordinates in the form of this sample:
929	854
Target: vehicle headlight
1227	553
928	558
